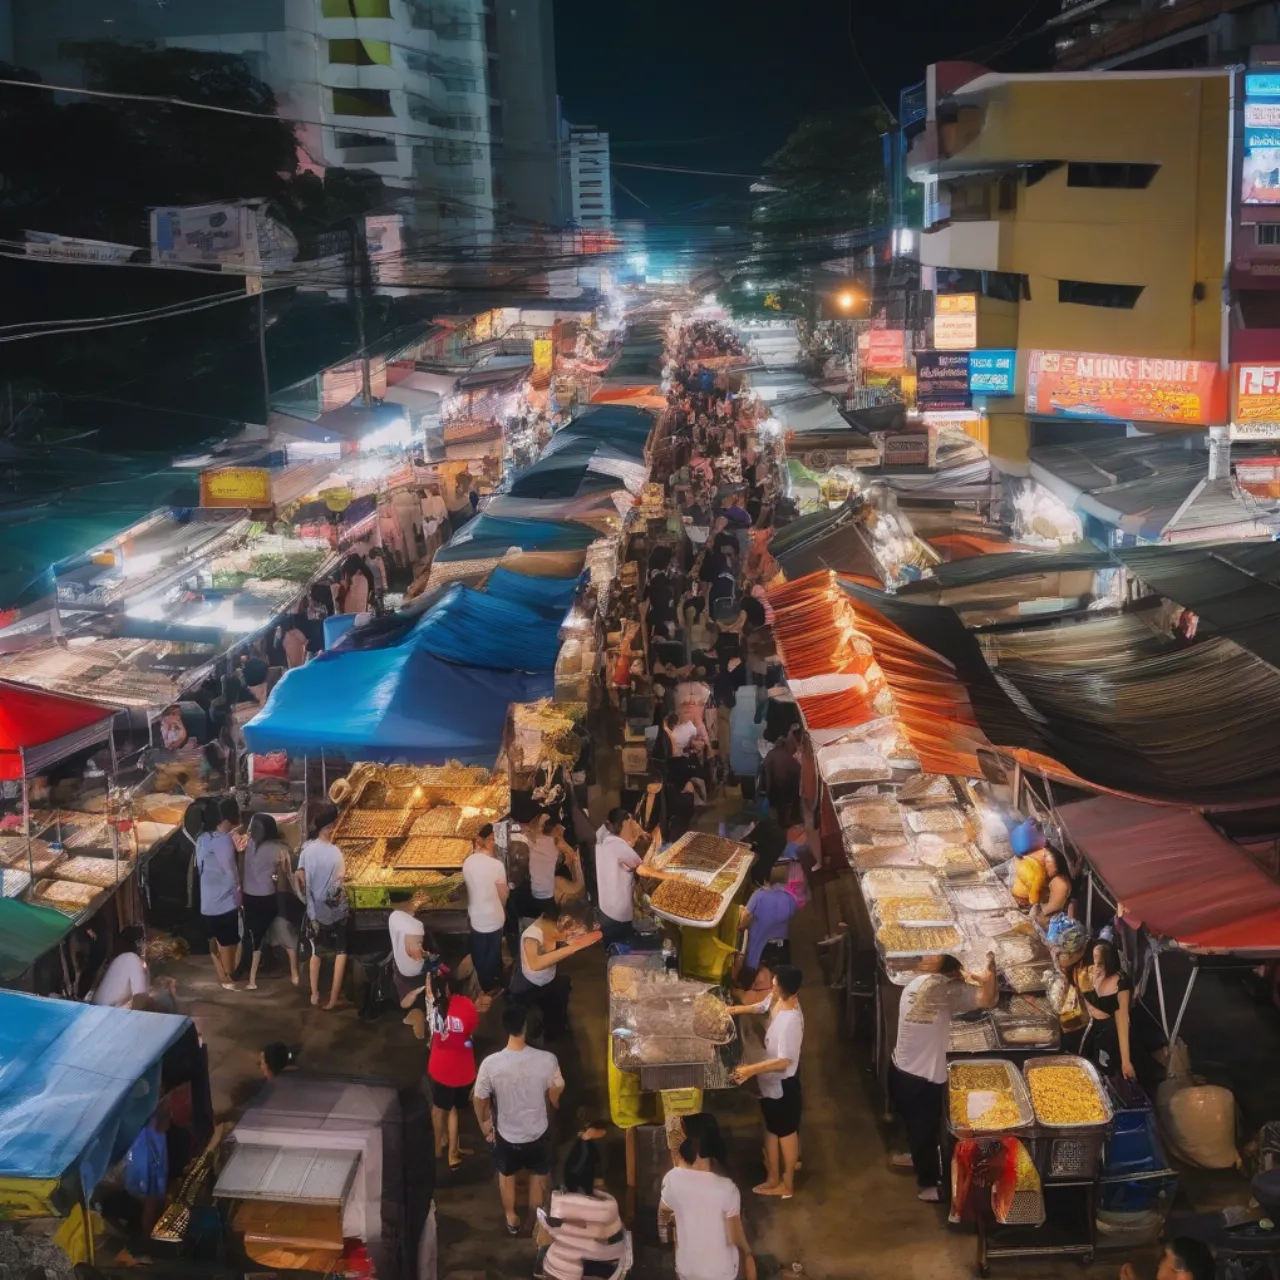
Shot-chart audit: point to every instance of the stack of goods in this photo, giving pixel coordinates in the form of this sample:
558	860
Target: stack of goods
407	830
657	1019
544	733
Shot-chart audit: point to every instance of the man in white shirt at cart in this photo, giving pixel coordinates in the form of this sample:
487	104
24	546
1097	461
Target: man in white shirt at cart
777	1075
918	1072
617	865
485	875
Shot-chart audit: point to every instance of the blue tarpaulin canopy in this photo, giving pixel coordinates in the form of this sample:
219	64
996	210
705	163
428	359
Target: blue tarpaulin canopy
394	704
483	630
492	536
548	595
77	1083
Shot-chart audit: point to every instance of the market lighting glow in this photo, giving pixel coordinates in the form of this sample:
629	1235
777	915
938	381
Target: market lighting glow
845	300
396	435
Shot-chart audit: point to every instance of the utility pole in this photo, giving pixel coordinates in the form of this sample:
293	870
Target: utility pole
253	284
362	288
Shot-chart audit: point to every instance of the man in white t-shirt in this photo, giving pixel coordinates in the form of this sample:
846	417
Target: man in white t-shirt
777	1075
485	876
617	865
521	1084
918	1072
707	1211
408	959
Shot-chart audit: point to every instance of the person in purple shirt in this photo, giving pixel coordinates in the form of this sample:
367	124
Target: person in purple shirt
768	917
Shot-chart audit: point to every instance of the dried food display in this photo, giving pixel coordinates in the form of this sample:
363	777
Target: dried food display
957	861
1063	1092
711	1019
441	821
917	910
1022	1035
927	788
1021	1006
372	824
684	898
13	853
641	1050
65	895
624	981
980	897
869	856
699	851
1014	952
873	815
431	851
996	1107
894	881
1028	977
96	871
901	939
938	821
972	1037
88	835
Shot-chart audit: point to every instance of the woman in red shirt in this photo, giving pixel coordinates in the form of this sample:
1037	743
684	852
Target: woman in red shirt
452	1062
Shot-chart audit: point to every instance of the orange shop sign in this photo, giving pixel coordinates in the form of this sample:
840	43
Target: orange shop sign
235	487
1085	384
1255	413
886	348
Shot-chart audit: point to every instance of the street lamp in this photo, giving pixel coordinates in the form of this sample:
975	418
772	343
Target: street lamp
846	301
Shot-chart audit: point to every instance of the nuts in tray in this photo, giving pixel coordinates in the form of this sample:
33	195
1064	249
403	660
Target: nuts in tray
372	824
1028	1033
684	898
65	895
1064	1094
940	820
624	981
971	1037
431	851
93	871
894	882
981	897
701	852
1013	952
658	1051
917	940
872	815
922	909
964	1080
870	856
711	1019
1028	977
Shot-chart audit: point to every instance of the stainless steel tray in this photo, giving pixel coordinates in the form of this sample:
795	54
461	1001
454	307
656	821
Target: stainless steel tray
1017	1085
1064	1060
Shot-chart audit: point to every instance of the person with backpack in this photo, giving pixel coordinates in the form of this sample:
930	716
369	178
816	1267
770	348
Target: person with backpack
322	883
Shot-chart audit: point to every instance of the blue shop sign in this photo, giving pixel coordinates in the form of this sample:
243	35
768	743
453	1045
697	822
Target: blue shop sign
1262	85
992	373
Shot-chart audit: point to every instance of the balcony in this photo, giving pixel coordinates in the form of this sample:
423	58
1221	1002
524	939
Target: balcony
1110	47
974	245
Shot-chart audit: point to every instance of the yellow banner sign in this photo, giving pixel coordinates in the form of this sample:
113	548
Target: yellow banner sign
543	355
235	487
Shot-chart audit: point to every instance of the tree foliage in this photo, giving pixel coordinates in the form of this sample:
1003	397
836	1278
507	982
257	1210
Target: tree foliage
829	176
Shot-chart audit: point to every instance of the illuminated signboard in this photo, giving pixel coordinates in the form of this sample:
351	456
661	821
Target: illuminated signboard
1255	410
942	379
1260	170
1085	384
992	373
886	348
955	321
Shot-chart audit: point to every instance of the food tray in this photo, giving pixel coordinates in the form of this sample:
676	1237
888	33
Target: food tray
13	882
927	789
901	940
978	1036
980	897
682	899
1025	1006
871	814
1028	977
700	851
913	910
893	881
1026	1033
43	859
425	852
90	835
987	925
938	820
1016	952
1082	1076
373	824
987	1075
955	861
95	871
65	895
870	856
441	821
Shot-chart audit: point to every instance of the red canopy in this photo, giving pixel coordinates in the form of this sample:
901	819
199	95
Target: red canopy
1170	870
44	726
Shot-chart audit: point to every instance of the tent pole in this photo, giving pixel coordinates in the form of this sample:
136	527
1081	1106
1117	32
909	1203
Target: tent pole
1186	999
1088	902
114	785
1164	1016
324	777
305	797
26	821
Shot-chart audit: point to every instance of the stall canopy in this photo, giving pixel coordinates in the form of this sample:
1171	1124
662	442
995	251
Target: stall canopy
77	1083
484	630
399	703
37	728
549	595
491	537
806	415
27	931
1169	870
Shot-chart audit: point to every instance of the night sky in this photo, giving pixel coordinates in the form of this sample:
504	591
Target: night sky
718	85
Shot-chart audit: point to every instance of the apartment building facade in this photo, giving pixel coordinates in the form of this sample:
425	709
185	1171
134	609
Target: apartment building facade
590	181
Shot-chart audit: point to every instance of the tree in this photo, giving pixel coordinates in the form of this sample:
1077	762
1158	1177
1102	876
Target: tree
828	177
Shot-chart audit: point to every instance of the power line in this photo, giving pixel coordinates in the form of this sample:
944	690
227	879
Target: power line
857	57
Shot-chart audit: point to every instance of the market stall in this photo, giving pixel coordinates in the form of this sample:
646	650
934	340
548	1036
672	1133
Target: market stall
81	1082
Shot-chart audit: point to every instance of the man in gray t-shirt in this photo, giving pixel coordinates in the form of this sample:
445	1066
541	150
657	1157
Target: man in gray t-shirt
520	1083
322	882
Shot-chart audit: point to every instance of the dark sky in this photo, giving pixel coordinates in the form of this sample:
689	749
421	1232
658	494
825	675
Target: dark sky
718	85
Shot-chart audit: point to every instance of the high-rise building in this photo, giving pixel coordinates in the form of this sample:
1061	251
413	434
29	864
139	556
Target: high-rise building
398	87
590	184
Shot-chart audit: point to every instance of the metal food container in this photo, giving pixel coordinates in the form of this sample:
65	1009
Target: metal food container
1017	1086
1070	1153
1083	1064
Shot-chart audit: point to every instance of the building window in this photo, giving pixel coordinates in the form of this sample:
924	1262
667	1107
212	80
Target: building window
362	102
1007	193
1131	176
1267	233
448	152
360	53
355	8
1087	293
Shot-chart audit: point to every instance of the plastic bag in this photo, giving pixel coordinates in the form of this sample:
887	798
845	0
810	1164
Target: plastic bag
1197	1120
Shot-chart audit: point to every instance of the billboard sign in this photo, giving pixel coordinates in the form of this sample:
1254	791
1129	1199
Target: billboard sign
942	379
1255	409
992	373
1084	384
955	321
886	348
235	487
1260	170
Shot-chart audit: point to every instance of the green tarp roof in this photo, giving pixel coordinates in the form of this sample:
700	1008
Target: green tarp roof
26	933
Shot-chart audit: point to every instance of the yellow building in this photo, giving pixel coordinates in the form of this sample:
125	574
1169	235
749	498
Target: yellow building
1089	212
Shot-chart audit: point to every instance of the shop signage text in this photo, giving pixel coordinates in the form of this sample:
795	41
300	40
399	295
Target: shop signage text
235	487
907	449
955	321
1260	172
992	373
1082	384
942	379
886	348
1255	411
543	355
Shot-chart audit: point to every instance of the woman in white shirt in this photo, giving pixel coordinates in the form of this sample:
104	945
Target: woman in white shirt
536	980
707	1212
779	1081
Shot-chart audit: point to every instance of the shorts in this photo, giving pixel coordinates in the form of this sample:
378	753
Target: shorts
259	911
405	984
450	1097
325	939
782	1115
223	929
512	1157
